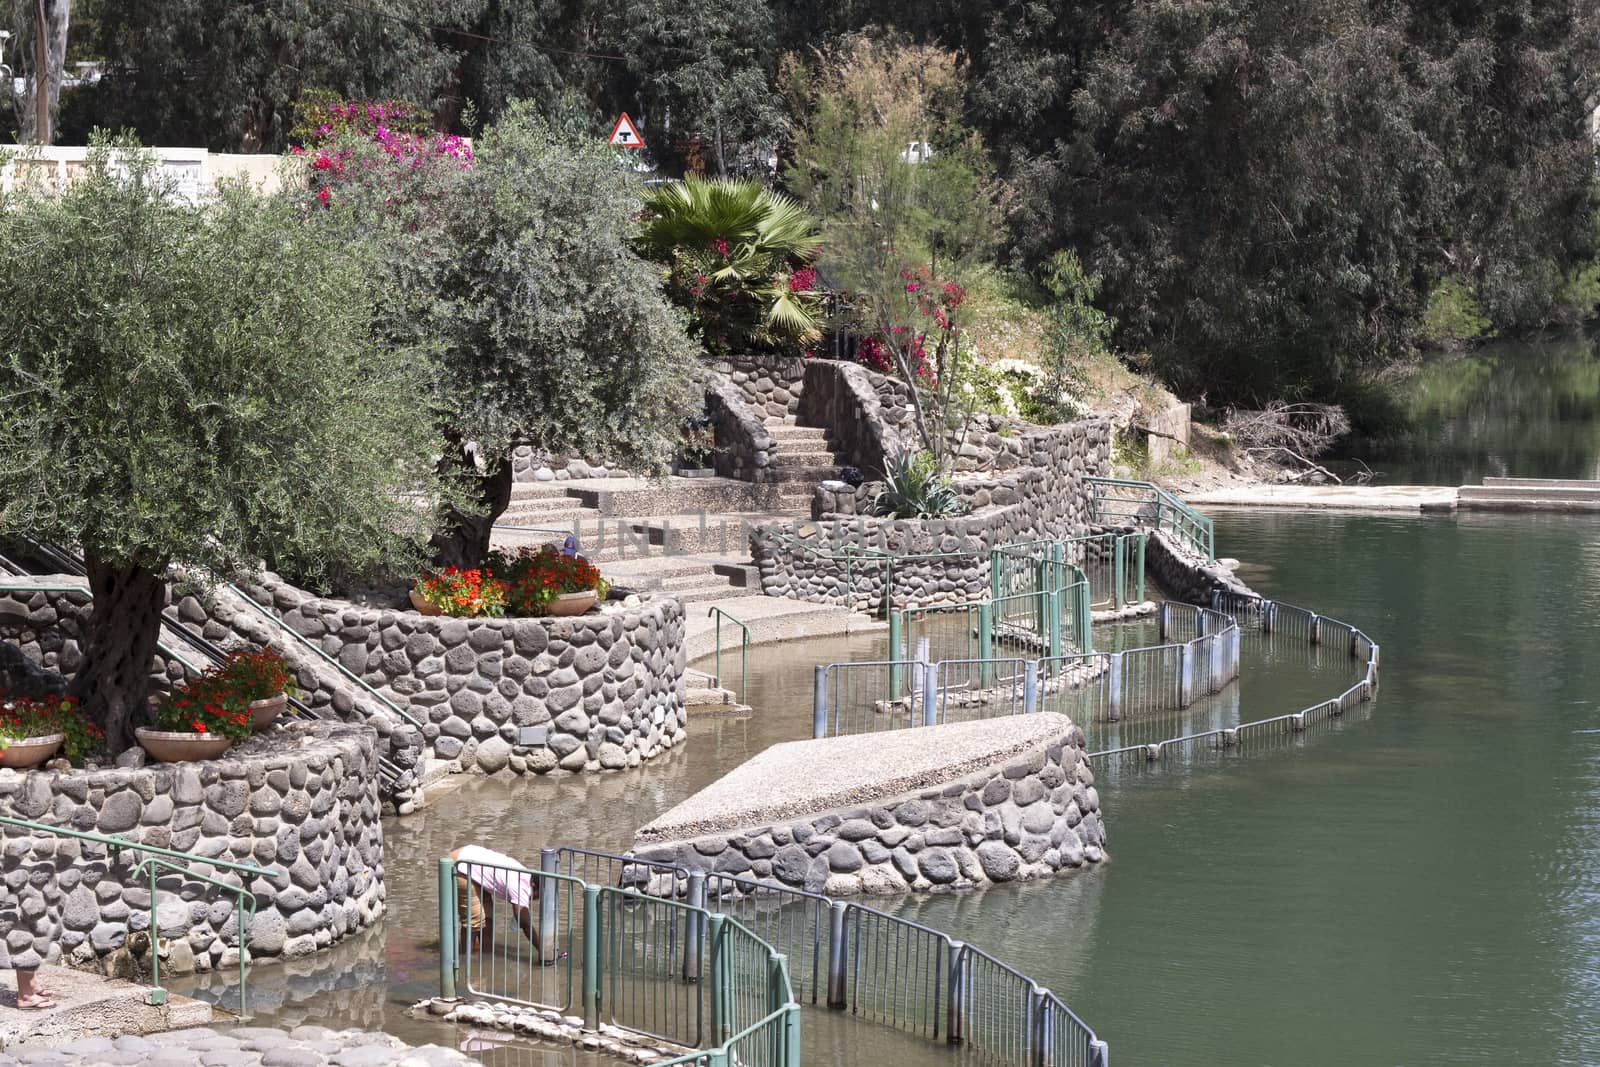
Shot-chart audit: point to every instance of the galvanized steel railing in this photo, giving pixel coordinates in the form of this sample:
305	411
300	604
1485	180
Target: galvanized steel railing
635	958
1093	687
1121	502
157	859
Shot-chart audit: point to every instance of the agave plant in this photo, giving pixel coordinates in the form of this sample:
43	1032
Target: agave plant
738	255
915	488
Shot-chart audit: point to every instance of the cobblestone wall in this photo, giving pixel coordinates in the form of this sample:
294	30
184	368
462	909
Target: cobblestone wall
528	696
300	801
771	384
745	450
1046	498
1036	815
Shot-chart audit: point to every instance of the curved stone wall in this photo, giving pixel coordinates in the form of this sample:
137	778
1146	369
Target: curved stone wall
301	801
996	801
524	696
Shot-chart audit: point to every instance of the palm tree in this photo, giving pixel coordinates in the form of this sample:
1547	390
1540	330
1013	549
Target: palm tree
739	258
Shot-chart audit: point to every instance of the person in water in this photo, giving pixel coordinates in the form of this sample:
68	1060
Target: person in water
483	884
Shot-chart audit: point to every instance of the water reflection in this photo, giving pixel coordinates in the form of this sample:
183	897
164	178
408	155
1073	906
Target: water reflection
1519	410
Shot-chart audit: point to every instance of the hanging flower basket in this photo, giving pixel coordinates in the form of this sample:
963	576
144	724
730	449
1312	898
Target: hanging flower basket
29	752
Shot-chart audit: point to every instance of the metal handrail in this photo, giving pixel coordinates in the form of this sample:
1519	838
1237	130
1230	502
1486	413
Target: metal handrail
156	858
1191	526
342	669
744	645
704	930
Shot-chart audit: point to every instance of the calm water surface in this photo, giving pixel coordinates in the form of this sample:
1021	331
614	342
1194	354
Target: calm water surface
1417	884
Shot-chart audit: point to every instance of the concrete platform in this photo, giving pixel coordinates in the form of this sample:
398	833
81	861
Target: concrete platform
801	778
89	1005
771	620
1346	497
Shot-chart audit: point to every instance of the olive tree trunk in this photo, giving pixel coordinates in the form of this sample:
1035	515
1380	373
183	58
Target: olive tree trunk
119	646
464	539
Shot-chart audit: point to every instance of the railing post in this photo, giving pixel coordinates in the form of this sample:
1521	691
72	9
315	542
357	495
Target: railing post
157	995
549	863
837	993
777	997
1114	704
1315	630
985	645
1030	687
1185	674
1118	547
1163	621
897	628
1099	1054
591	957
694	941
719	981
791	1036
930	694
1041	1036
244	1012
1139	570
1268	610
718	618
819	702
1085	620
449	927
955	1018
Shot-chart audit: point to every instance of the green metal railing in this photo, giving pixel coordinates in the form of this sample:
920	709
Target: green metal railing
1121	502
634	960
157	859
744	645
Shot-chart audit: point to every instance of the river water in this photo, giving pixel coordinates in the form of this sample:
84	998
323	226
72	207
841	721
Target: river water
1417	884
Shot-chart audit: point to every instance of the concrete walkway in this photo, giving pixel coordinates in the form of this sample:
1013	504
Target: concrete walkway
1346	497
89	1005
771	620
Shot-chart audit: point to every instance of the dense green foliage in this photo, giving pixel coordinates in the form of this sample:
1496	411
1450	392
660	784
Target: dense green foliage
1267	193
517	268
737	255
194	384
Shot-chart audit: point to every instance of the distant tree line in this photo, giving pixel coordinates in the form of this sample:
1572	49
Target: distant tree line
1267	193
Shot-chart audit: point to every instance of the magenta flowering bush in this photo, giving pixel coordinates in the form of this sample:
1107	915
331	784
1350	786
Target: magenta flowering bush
386	145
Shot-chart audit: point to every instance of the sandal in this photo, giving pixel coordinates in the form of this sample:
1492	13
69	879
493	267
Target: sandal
37	1002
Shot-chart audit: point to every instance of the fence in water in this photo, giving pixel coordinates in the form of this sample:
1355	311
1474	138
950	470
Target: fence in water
1091	687
631	958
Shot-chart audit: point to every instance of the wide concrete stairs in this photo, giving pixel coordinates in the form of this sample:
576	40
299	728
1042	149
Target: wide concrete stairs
690	537
1530	494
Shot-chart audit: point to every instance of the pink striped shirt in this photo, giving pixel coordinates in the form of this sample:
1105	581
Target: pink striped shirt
513	885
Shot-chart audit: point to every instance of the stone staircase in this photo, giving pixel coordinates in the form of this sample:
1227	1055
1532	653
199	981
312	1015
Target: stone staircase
804	459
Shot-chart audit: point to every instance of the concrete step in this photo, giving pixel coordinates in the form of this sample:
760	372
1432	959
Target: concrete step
788	431
1541	483
1554	498
781	473
539	490
810	458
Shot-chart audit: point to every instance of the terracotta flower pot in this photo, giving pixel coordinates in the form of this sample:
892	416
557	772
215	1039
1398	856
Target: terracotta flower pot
263	713
573	603
28	752
422	606
173	747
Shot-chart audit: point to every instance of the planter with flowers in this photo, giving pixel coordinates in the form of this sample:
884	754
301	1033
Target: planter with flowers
199	720
459	593
547	581
262	678
33	729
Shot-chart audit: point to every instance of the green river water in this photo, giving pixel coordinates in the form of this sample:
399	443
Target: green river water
1416	884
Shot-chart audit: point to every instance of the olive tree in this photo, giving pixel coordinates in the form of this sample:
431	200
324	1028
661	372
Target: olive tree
513	264
195	384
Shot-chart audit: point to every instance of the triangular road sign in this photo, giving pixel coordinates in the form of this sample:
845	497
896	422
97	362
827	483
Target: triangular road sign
625	134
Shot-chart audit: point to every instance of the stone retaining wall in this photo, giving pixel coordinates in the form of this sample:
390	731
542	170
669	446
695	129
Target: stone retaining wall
529	464
1035	815
47	627
300	801
1187	576
745	450
528	696
772	384
1046	499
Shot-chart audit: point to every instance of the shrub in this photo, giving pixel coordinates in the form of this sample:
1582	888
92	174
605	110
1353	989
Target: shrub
25	717
1454	317
535	577
257	675
463	593
916	488
208	704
